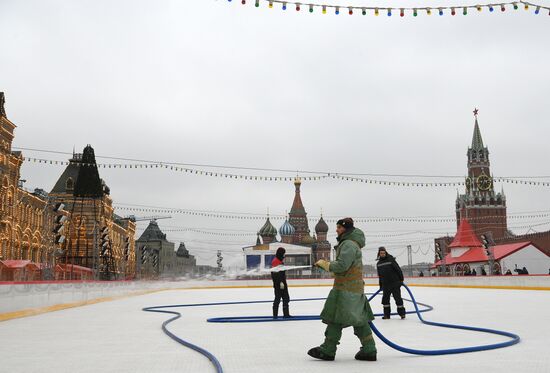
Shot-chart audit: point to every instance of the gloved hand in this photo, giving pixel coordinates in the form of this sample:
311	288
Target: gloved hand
323	264
282	286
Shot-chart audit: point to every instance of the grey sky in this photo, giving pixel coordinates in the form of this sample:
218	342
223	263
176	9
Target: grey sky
212	82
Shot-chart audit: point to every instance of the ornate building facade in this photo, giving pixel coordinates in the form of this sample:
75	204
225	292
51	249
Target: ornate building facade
157	258
295	238
96	237
26	218
69	229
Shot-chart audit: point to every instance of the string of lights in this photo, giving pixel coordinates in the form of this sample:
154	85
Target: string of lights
328	219
278	178
389	11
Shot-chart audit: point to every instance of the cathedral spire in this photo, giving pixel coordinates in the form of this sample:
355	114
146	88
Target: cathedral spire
297	205
477	141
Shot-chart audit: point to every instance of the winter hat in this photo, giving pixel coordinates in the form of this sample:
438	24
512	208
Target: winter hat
280	253
381	248
346	223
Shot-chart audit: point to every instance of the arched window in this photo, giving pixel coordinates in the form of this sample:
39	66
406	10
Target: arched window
69	184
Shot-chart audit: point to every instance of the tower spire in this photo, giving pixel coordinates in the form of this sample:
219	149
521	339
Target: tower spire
477	141
297	205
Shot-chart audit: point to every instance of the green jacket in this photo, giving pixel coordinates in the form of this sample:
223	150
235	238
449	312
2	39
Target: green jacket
346	304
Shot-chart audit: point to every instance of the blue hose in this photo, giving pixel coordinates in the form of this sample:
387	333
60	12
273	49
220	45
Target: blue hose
514	338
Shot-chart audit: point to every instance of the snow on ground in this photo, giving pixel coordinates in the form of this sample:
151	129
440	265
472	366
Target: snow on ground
118	337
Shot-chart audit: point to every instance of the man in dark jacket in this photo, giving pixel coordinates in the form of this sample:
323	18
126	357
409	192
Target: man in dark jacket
279	285
390	279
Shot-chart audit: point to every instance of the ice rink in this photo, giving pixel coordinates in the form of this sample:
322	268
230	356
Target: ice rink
117	336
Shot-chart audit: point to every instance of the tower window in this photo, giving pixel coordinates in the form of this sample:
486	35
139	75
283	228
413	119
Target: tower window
69	184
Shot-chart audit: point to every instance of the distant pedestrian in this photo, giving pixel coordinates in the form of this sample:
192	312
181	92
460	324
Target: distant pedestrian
483	272
524	271
279	285
474	273
390	280
508	273
421	274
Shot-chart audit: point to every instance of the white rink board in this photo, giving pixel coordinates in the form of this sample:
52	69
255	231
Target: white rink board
117	336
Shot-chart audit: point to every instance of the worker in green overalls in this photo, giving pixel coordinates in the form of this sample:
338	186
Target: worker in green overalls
346	304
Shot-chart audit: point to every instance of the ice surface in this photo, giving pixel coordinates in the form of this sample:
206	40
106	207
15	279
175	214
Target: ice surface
117	336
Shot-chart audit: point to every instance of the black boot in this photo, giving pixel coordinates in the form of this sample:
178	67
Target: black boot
275	312
365	356
318	354
286	312
401	311
387	312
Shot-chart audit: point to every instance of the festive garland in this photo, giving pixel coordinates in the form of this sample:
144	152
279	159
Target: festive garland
389	11
336	176
314	219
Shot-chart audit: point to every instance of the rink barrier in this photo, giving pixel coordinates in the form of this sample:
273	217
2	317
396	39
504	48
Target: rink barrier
514	338
22	299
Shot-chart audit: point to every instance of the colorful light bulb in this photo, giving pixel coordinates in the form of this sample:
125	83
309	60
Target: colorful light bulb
270	5
284	6
491	8
465	11
429	11
453	11
440	11
415	12
337	10
502	8
311	8
526	7
350	11
402	12
257	3
376	12
389	12
478	8
364	11
243	2
324	9
537	10
515	6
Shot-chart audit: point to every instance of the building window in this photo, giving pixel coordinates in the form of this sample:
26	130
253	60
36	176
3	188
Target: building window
69	184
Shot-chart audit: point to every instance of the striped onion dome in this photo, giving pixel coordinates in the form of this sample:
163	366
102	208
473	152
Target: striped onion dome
287	229
268	229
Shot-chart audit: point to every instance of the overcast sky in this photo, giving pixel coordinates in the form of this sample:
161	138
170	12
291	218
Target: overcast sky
213	82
